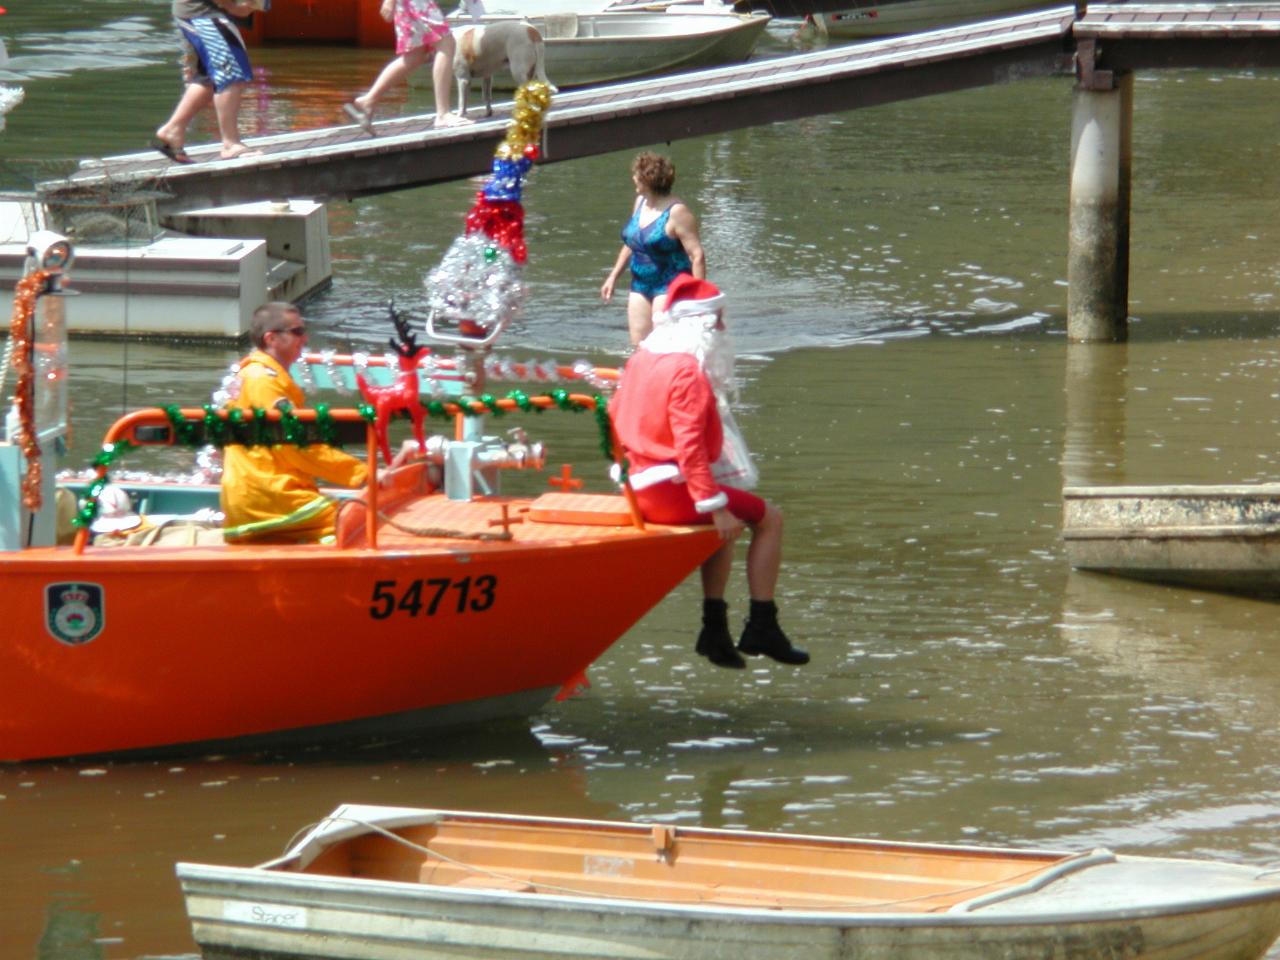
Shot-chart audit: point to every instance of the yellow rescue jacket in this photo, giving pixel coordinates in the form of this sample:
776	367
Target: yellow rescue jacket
269	494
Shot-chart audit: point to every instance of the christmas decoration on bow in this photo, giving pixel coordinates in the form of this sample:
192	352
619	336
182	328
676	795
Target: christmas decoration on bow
21	332
220	427
402	395
478	287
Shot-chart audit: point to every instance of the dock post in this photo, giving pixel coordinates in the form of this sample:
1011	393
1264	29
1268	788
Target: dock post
1101	173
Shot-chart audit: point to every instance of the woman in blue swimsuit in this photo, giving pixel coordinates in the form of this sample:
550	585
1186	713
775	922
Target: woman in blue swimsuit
659	241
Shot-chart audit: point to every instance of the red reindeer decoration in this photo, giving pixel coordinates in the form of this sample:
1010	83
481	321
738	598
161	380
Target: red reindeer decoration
402	395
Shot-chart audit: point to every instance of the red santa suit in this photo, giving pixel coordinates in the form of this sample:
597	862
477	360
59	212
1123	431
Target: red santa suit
667	418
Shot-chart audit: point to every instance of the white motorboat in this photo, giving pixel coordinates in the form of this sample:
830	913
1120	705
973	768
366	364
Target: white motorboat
883	18
386	883
589	43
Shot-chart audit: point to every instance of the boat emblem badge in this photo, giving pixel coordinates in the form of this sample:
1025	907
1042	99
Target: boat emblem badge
74	613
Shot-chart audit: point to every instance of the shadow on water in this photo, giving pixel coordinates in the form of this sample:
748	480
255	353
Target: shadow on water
1229	325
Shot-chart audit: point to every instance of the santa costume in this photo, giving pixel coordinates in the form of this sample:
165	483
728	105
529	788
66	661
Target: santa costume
685	457
670	413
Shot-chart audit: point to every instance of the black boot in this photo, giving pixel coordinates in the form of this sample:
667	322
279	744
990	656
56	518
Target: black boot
715	642
762	635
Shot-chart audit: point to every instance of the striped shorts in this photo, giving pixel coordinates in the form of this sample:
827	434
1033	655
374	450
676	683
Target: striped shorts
214	53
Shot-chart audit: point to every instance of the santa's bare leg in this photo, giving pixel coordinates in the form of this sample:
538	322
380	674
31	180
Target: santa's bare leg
715	642
762	634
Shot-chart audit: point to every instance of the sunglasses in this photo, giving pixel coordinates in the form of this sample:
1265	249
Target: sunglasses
296	331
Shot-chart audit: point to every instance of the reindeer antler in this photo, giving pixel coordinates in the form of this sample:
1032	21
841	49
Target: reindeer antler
407	344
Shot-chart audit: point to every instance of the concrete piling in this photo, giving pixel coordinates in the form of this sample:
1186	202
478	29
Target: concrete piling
1101	175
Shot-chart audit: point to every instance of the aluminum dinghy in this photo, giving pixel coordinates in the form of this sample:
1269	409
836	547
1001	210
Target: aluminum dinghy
379	883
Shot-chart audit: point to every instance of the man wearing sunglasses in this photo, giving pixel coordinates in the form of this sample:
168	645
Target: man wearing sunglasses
270	494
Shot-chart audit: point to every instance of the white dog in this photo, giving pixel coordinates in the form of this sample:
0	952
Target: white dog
483	49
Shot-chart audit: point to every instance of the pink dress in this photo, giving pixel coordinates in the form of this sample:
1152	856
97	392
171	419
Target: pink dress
419	23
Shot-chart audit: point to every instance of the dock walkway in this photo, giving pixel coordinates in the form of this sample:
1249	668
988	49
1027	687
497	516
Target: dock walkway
344	162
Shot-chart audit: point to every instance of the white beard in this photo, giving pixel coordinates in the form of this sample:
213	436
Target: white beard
698	337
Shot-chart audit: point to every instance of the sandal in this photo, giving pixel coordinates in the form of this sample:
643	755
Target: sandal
361	117
176	154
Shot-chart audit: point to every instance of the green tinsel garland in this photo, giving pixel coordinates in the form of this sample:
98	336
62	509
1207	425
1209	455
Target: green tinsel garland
221	432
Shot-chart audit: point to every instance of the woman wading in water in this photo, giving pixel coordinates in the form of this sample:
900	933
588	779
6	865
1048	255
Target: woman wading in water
658	242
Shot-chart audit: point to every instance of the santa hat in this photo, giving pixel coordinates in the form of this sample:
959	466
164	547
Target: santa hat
687	296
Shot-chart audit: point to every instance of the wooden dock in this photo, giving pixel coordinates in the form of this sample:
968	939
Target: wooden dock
343	162
1100	42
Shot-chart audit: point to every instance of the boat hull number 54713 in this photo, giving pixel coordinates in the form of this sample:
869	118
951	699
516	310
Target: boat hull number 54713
437	595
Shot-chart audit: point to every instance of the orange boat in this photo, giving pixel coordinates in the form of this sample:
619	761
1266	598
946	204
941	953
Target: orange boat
355	22
442	601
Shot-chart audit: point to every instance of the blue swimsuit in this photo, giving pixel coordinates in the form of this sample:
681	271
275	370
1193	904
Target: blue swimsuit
655	257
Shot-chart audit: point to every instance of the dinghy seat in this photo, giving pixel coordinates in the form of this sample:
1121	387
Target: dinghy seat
560	26
508	884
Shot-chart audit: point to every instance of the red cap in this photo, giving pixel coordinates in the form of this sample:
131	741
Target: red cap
687	296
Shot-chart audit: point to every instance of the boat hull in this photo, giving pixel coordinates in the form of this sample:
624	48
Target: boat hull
877	18
209	644
1094	906
583	49
1222	538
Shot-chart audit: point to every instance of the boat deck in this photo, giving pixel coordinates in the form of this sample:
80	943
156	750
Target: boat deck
549	518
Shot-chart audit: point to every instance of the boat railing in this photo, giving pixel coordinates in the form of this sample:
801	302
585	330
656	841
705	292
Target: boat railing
1041	880
441	375
199	426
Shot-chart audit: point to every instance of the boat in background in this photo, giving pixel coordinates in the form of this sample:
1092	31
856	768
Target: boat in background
357	22
861	19
1224	538
383	883
588	41
598	41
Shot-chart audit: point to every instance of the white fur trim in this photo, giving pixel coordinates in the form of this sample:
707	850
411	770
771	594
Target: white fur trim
696	308
712	504
655	474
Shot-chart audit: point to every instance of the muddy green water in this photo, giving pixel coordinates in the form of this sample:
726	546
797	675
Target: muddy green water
897	287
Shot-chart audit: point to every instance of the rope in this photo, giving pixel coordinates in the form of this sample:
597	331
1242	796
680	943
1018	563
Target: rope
442	532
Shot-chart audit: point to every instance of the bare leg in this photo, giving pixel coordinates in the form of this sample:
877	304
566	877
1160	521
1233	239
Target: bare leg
194	98
227	106
395	72
442	73
762	635
639	317
715	571
764	557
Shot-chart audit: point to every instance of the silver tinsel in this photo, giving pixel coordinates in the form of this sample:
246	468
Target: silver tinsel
331	368
301	372
229	388
477	280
